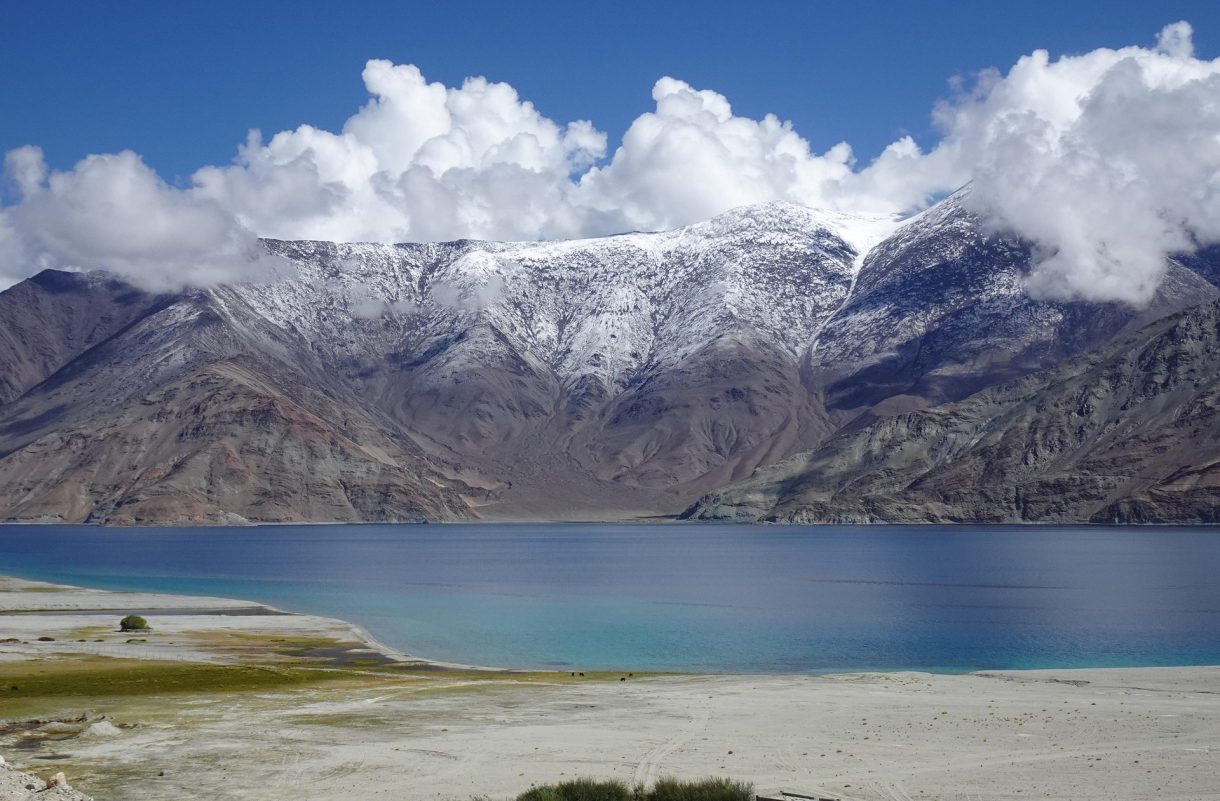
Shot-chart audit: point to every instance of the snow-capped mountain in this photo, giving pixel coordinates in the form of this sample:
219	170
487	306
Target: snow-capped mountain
601	309
581	379
564	356
940	310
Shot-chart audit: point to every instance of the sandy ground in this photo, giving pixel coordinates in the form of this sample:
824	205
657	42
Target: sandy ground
1082	734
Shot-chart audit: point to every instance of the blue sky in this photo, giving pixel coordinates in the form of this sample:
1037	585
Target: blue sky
593	120
181	83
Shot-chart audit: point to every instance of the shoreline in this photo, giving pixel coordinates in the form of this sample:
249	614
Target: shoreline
228	699
659	520
357	633
24	601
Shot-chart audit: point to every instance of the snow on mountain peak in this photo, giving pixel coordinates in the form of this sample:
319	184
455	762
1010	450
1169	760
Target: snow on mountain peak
863	231
608	307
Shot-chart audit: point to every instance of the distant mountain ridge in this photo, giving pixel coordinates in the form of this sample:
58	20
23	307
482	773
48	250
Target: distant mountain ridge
591	379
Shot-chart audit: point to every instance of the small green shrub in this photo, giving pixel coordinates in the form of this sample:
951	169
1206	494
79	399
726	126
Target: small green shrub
133	623
579	790
547	793
702	790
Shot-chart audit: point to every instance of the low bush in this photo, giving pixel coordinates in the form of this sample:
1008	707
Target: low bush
133	623
702	790
547	793
665	790
580	790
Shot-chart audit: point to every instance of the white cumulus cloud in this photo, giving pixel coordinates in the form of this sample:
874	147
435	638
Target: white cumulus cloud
693	158
1106	162
418	162
113	212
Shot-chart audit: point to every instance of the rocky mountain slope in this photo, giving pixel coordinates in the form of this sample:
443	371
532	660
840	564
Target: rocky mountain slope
1128	433
591	379
631	358
53	317
939	311
199	411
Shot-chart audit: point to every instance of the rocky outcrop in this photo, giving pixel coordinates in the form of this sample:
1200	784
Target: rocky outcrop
16	785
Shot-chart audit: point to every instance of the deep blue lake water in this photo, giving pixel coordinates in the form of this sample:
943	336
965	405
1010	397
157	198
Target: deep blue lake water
693	597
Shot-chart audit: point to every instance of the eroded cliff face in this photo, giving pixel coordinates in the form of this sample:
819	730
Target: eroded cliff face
593	379
1128	433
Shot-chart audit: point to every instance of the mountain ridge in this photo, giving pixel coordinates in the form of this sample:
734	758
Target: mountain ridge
611	378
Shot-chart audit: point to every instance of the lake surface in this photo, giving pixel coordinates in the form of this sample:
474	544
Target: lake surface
693	597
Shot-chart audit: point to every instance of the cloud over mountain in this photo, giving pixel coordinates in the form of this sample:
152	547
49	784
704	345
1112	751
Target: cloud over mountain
113	211
1106	161
419	161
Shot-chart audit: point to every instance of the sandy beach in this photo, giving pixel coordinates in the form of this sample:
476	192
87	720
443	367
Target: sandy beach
304	708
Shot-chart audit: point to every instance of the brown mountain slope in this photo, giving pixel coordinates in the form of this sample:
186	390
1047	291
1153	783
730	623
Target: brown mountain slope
1127	433
54	317
217	446
190	415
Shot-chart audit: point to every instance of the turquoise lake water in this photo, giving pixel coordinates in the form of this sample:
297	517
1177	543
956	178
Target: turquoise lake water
693	597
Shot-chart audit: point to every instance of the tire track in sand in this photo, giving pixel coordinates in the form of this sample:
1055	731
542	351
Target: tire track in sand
648	770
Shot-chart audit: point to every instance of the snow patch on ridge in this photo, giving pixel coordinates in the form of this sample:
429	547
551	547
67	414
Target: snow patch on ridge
611	308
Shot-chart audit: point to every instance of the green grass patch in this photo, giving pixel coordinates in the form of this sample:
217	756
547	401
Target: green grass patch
89	632
713	789
92	678
580	790
261	642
